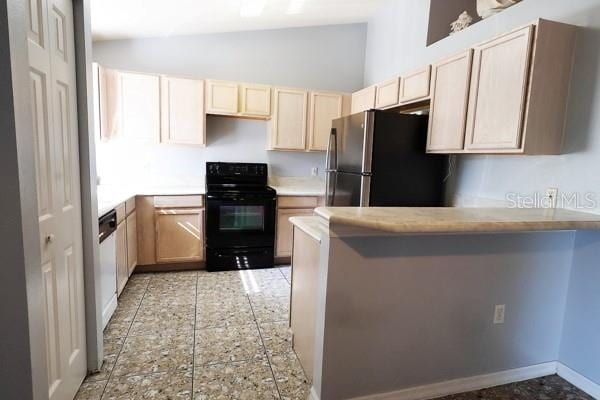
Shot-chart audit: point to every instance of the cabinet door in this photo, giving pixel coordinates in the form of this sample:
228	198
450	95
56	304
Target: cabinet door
107	95
256	100
498	94
285	229
132	256
140	107
179	236
450	93
415	85
222	97
182	111
387	93
289	119
324	108
122	268
363	100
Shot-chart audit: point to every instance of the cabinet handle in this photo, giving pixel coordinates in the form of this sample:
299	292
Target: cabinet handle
49	238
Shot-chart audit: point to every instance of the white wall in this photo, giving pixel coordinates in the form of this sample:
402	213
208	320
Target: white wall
326	57
396	42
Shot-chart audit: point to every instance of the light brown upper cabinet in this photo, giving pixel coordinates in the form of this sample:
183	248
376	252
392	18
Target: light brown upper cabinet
387	93
517	94
324	108
288	128
179	235
519	90
450	91
138	106
363	100
238	99
182	111
107	103
256	100
415	85
498	92
221	97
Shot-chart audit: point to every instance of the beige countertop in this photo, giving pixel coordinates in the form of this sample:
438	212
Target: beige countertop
457	220
313	225
109	196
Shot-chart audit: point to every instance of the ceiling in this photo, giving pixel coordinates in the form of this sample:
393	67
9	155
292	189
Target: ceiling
119	19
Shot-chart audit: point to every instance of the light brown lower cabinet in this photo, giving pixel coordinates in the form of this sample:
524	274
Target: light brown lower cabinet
285	229
122	268
132	256
179	235
303	309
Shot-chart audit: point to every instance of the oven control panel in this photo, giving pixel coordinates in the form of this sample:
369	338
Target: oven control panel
236	172
235	169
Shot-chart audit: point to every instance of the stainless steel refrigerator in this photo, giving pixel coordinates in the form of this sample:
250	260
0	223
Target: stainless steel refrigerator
378	158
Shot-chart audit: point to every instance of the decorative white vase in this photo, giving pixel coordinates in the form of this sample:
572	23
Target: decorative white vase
487	8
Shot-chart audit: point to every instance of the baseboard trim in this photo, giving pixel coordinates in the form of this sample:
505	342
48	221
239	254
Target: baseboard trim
465	384
313	394
578	380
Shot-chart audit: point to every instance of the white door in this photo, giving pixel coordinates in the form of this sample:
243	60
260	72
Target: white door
54	106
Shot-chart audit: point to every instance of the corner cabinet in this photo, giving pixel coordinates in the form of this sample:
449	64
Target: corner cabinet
449	96
182	110
290	112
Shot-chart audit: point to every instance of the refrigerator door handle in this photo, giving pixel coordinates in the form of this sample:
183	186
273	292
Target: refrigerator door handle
331	155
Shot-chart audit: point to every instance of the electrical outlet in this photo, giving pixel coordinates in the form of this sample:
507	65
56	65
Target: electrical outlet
314	171
499	311
551	197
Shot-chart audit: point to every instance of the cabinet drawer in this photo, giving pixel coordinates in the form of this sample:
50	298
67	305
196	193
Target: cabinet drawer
297	202
130	206
121	213
178	201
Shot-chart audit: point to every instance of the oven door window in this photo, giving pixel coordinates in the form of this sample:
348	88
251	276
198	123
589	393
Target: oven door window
241	218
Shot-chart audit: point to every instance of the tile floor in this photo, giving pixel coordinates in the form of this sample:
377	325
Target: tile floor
204	336
201	336
547	388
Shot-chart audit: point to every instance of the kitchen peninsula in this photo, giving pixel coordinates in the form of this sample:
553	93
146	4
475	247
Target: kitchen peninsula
423	302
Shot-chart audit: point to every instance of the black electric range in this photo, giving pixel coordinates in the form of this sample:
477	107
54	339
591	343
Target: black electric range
240	216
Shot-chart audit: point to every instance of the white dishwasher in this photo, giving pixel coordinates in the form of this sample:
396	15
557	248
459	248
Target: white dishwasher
107	226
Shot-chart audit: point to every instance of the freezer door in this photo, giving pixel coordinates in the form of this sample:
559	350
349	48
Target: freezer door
354	142
349	190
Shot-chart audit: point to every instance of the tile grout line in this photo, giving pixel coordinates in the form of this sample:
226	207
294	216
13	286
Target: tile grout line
110	375
194	333
265	348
